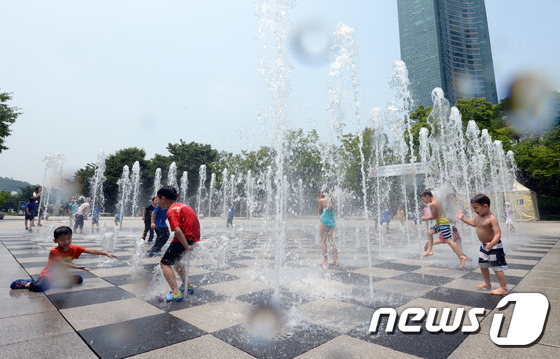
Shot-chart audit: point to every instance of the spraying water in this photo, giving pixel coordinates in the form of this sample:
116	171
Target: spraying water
275	69
201	188
125	187
172	175
211	194
157	182
135	188
184	186
97	196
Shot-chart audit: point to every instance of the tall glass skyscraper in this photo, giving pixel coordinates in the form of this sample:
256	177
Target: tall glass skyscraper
445	43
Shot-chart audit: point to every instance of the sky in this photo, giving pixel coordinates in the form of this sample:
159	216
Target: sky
108	75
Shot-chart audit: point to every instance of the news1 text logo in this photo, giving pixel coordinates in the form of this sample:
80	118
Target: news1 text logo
525	327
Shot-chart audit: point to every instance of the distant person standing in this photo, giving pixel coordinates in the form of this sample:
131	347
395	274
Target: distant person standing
385	218
95	214
159	218
400	215
81	215
147	218
118	216
326	229
30	214
230	212
510	217
39	208
72	209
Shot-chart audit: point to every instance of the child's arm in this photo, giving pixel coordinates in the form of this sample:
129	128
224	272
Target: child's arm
99	253
181	237
497	233
462	218
153	225
144	214
75	266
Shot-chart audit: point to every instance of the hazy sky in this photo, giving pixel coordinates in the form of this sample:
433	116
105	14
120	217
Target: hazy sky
107	75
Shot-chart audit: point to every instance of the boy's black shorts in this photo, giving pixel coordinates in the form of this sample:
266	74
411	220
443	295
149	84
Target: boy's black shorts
174	253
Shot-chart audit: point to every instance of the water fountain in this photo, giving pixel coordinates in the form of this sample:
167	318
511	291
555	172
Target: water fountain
157	182
391	171
201	189
125	188
53	173
97	196
184	187
211	193
172	175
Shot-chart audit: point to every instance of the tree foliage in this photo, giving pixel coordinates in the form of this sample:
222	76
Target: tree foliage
8	116
538	157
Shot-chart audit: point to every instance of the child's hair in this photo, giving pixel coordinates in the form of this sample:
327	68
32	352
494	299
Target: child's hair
454	229
153	198
169	192
61	231
32	199
426	192
481	199
37	188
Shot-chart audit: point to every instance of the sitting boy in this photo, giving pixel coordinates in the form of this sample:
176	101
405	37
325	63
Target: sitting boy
60	258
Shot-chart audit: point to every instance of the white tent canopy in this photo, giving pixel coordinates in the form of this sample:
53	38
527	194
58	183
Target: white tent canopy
524	202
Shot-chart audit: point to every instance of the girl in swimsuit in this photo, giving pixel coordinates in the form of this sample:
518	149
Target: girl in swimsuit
326	210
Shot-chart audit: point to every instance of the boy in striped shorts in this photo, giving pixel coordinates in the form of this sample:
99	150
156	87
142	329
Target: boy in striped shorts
442	226
491	253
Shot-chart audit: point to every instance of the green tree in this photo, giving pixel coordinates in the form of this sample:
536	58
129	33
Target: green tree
8	116
114	165
189	157
82	179
4	197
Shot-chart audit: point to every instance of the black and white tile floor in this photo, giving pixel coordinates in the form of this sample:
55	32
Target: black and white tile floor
322	311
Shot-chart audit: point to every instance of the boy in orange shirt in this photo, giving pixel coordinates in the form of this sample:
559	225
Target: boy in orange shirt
60	258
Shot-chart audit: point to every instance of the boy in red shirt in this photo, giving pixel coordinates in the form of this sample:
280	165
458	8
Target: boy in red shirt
60	258
183	222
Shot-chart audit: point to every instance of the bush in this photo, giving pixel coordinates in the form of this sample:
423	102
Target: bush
549	207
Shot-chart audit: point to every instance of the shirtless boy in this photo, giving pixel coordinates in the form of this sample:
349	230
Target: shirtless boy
491	252
442	225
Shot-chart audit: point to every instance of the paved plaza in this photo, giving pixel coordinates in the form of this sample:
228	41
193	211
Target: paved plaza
249	304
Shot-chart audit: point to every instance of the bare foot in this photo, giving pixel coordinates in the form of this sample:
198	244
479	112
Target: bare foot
462	262
499	291
323	263
427	254
484	286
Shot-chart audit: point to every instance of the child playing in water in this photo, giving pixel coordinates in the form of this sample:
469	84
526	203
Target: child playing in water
456	238
491	253
510	217
326	231
60	258
30	214
442	225
184	223
159	216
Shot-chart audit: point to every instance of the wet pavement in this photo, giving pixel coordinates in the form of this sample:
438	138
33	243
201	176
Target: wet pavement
249	304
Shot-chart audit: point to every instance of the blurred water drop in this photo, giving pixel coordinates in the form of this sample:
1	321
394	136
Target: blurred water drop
532	104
